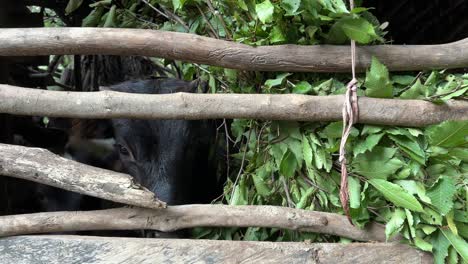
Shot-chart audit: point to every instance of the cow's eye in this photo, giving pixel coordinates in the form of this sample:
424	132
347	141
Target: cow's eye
122	150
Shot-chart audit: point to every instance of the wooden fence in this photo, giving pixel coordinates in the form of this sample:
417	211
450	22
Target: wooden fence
42	166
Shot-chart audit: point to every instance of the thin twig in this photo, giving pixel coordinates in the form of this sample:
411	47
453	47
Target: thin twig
216	13
175	18
288	196
228	164
224	85
242	162
213	31
312	183
155	9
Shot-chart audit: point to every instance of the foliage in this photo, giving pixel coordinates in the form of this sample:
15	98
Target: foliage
414	180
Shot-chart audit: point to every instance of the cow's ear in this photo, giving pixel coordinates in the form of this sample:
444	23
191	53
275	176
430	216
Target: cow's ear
192	87
189	87
203	86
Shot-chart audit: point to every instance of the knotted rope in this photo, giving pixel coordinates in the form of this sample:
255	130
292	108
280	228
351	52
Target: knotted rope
350	117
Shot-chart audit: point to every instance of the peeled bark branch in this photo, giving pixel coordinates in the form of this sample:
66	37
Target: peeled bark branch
188	216
204	50
80	249
42	166
108	104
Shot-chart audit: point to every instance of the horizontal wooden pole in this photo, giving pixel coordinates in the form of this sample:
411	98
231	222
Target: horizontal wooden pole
81	249
179	217
204	50
109	104
42	166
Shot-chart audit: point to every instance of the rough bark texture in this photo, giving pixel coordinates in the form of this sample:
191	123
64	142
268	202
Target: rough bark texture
193	48
42	166
109	104
76	249
188	216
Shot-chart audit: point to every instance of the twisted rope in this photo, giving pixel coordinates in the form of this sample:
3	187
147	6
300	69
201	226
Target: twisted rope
350	117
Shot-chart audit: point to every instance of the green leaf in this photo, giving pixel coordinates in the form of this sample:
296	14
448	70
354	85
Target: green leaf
288	164
291	6
378	163
302	88
240	196
460	245
321	159
304	198
428	229
378	83
278	81
442	193
440	245
395	224
451	224
370	129
259	180
453	256
397	195
93	19
422	244
417	91
411	147
110	20
461	216
354	188
403	79
264	11
410	218
72	6
178	4
296	147
415	188
277	35
368	144
335	129
358	29
431	217
307	152
448	134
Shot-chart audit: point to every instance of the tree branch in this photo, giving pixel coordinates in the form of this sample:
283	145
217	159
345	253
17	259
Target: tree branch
42	166
188	216
109	104
204	50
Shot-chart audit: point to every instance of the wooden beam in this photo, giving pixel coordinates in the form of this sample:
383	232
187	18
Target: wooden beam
42	166
204	50
188	216
78	249
110	104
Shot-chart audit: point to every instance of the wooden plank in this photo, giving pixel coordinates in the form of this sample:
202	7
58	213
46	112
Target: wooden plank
108	104
42	166
79	249
203	50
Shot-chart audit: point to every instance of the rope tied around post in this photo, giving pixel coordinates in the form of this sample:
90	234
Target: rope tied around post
350	117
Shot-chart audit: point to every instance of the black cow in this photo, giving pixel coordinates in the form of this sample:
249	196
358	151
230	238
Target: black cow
173	158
